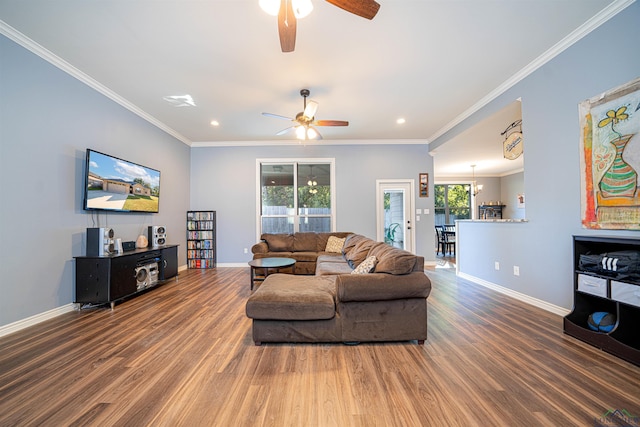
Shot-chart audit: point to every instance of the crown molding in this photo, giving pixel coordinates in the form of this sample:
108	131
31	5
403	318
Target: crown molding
24	41
269	143
603	16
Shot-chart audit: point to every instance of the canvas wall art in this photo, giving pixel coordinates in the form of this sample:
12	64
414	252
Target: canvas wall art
610	158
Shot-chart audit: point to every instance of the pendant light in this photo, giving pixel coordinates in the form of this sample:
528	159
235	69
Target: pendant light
475	187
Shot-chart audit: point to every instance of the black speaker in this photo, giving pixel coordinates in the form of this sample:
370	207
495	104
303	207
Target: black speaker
157	235
100	241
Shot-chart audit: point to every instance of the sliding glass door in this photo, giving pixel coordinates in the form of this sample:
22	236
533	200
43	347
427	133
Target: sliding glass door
296	196
452	202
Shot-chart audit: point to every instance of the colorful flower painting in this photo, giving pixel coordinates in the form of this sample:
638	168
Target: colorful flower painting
610	158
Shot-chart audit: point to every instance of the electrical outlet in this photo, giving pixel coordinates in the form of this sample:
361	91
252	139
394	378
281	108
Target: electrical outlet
497	265
246	251
516	270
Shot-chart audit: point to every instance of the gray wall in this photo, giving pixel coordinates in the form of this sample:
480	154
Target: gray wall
510	187
48	120
224	180
604	59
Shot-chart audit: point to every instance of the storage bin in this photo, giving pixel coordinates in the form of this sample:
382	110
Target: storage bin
592	285
625	292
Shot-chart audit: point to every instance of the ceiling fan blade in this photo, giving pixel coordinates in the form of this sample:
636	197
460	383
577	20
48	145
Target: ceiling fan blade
287	26
331	123
277	116
287	130
310	110
365	8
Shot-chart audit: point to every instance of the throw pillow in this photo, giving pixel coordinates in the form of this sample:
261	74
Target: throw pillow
334	244
366	266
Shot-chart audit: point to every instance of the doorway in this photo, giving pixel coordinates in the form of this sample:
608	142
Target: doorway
394	213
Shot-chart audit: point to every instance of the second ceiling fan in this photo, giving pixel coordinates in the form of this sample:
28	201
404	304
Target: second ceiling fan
305	120
288	11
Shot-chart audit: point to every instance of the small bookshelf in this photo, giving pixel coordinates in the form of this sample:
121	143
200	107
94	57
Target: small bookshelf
201	239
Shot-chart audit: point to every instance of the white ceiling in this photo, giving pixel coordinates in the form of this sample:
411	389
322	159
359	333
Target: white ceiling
481	145
431	62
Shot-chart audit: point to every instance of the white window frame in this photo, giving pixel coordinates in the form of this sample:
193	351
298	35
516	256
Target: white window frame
295	161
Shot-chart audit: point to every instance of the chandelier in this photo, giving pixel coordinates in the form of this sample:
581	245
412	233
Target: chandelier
475	187
312	183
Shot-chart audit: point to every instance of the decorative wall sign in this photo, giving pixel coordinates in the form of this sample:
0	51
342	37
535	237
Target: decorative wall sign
610	158
513	145
424	185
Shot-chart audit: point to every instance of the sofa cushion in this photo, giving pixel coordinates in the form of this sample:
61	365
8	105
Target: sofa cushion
334	244
305	242
287	297
366	266
279	242
381	287
324	236
351	241
393	260
274	255
359	252
331	264
304	256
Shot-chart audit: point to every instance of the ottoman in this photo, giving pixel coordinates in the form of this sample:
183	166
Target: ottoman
290	308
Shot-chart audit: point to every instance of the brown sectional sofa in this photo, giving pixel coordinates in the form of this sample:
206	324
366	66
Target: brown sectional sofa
303	247
333	305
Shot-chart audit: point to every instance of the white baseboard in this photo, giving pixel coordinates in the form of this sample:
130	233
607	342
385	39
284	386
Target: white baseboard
561	311
33	320
233	264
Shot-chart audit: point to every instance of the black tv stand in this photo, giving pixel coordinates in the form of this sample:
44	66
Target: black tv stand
110	278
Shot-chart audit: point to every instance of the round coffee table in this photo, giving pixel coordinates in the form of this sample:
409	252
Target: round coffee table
266	264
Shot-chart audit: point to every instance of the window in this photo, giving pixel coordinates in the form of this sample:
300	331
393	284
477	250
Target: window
452	202
296	196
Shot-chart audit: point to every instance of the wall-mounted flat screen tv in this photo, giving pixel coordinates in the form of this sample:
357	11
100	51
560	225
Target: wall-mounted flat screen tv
117	185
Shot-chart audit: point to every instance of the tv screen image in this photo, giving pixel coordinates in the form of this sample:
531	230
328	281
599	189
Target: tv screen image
118	185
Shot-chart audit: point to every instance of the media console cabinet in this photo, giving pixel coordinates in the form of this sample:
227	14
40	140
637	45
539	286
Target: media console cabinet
109	278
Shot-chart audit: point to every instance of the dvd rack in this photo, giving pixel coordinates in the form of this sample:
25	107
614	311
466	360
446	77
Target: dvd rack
201	239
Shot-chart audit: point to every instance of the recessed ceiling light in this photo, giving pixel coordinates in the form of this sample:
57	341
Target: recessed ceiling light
400	121
180	100
215	123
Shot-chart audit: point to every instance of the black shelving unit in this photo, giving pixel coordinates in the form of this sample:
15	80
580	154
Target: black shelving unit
609	291
102	279
201	239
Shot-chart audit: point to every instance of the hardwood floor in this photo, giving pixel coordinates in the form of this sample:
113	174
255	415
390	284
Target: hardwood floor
182	355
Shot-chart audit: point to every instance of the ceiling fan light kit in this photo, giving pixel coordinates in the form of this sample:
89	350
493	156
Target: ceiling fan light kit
305	120
301	8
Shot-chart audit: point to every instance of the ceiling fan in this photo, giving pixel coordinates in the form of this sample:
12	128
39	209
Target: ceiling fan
288	11
305	120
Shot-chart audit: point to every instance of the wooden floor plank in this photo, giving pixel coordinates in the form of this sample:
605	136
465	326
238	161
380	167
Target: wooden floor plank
182	354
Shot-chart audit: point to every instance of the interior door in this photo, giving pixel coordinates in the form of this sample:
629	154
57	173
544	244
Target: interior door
395	214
